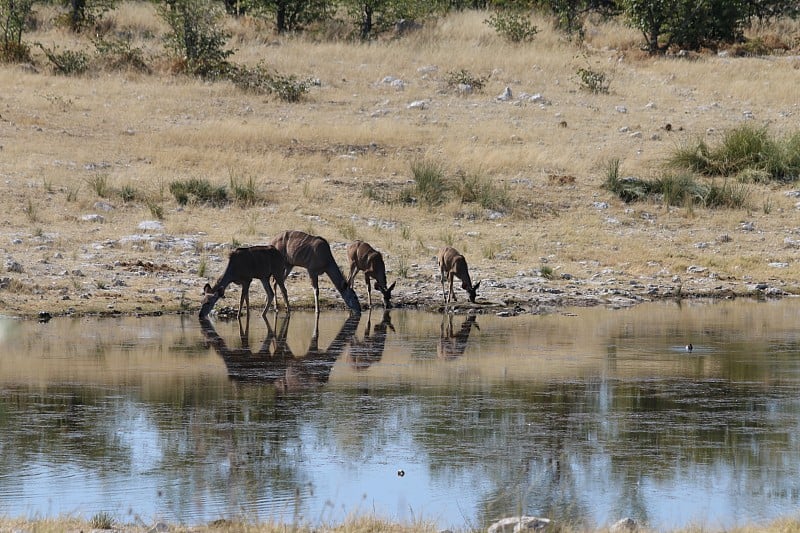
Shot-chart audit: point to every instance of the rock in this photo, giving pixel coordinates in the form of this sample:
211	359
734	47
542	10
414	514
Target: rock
505	95
625	525
103	206
417	104
93	218
516	524
14	266
150	225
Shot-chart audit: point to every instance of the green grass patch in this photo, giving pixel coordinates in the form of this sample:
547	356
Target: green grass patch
198	191
747	152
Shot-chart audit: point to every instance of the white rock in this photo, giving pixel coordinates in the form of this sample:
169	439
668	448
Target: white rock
150	225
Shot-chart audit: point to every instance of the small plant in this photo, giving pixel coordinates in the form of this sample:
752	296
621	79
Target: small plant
127	193
402	266
156	210
102	520
546	272
479	189
196	37
202	268
593	81
99	184
245	192
72	194
289	88
490	250
14	17
429	181
68	62
513	26
31	211
405	232
458	78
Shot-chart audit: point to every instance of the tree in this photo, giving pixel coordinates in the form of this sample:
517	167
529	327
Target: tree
376	16
689	24
294	15
196	36
13	16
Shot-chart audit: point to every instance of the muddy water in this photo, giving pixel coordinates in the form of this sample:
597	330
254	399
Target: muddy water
588	416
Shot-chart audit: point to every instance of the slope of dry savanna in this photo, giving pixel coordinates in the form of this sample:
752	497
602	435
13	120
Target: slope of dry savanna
337	163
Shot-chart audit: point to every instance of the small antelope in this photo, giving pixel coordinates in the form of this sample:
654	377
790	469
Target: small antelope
245	265
314	253
452	264
364	257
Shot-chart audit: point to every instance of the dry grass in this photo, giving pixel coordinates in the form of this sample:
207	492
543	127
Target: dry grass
315	160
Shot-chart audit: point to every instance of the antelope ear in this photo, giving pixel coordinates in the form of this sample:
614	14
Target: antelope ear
206	288
475	287
391	286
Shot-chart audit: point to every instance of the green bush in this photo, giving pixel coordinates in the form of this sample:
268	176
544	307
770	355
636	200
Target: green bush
198	191
68	62
593	81
196	37
429	180
513	26
456	78
14	15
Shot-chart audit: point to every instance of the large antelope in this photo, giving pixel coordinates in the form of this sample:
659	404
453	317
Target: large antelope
245	265
314	253
452	264
364	257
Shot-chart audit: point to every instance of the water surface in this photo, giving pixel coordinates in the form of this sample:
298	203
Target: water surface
589	416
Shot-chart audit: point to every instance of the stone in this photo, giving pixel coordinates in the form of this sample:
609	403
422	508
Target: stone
150	225
624	525
515	524
505	95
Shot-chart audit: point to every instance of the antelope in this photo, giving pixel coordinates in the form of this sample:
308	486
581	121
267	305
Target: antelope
364	257
314	253
370	349
245	265
452	264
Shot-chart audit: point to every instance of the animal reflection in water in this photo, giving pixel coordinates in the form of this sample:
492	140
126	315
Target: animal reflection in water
369	350
453	343
274	362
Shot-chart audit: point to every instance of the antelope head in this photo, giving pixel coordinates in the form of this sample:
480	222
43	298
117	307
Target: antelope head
210	297
387	294
472	290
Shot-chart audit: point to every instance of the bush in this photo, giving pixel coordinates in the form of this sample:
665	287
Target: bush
198	191
513	26
14	15
593	81
479	189
260	80
68	62
429	180
457	78
196	37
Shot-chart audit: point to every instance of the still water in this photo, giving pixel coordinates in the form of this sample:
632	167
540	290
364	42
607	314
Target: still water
589	416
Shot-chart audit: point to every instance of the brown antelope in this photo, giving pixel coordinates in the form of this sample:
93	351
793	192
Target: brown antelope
452	264
314	253
364	257
245	265
370	349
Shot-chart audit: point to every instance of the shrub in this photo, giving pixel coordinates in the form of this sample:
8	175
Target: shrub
245	192
198	191
196	37
429	182
479	189
68	62
593	81
457	78
261	81
513	26
14	15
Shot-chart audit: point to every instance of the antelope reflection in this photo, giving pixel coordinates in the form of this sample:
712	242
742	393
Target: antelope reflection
369	350
451	343
274	362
